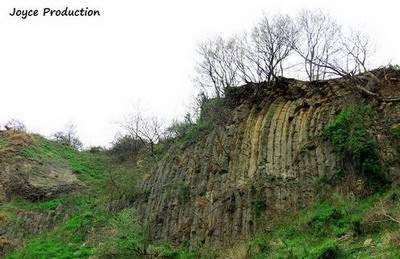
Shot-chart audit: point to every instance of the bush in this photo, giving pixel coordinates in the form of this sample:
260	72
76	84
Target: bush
328	250
179	129
65	139
15	125
258	246
395	131
96	149
126	147
351	140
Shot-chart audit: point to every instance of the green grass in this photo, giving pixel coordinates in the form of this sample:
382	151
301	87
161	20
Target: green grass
333	228
42	248
3	143
89	209
194	132
87	165
35	206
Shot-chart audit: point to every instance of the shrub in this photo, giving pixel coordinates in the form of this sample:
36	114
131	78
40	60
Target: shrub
15	125
351	140
395	131
179	129
328	250
257	246
96	149
66	139
126	147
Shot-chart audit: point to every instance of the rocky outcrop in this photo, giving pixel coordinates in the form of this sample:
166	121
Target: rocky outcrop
268	158
28	178
43	184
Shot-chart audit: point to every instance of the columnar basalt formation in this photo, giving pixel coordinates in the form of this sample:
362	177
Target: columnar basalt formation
267	159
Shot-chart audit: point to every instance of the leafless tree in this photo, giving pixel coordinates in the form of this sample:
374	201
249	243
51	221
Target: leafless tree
247	63
327	49
217	67
15	125
358	49
271	44
148	130
319	36
68	137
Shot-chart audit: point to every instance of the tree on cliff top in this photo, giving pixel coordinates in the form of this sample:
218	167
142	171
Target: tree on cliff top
279	45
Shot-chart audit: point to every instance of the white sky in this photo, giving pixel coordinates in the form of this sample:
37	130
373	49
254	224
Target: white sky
92	71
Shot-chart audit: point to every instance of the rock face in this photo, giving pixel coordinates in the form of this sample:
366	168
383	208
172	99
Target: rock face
267	159
45	184
29	178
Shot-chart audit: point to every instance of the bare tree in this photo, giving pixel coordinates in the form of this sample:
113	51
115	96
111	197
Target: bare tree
319	36
147	130
357	49
68	137
343	55
271	44
325	49
247	63
15	125
217	67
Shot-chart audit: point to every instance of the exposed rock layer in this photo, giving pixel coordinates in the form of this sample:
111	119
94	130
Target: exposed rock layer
266	160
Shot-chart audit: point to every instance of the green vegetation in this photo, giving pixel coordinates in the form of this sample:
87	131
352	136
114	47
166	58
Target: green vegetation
3	143
100	224
101	221
42	248
32	206
395	131
339	227
128	239
259	207
47	152
187	132
353	142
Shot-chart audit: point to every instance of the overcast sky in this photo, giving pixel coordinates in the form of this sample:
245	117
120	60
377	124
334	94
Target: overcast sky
92	71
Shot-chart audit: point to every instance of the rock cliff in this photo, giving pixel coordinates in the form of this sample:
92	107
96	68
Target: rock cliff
268	157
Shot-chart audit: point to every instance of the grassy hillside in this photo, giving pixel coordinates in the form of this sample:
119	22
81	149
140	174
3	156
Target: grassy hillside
97	222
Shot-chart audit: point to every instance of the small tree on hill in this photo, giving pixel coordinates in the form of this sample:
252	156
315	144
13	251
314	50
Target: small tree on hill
125	147
68	137
15	125
147	130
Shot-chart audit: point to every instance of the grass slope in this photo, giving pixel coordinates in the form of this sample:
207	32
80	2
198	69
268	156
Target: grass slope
95	228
